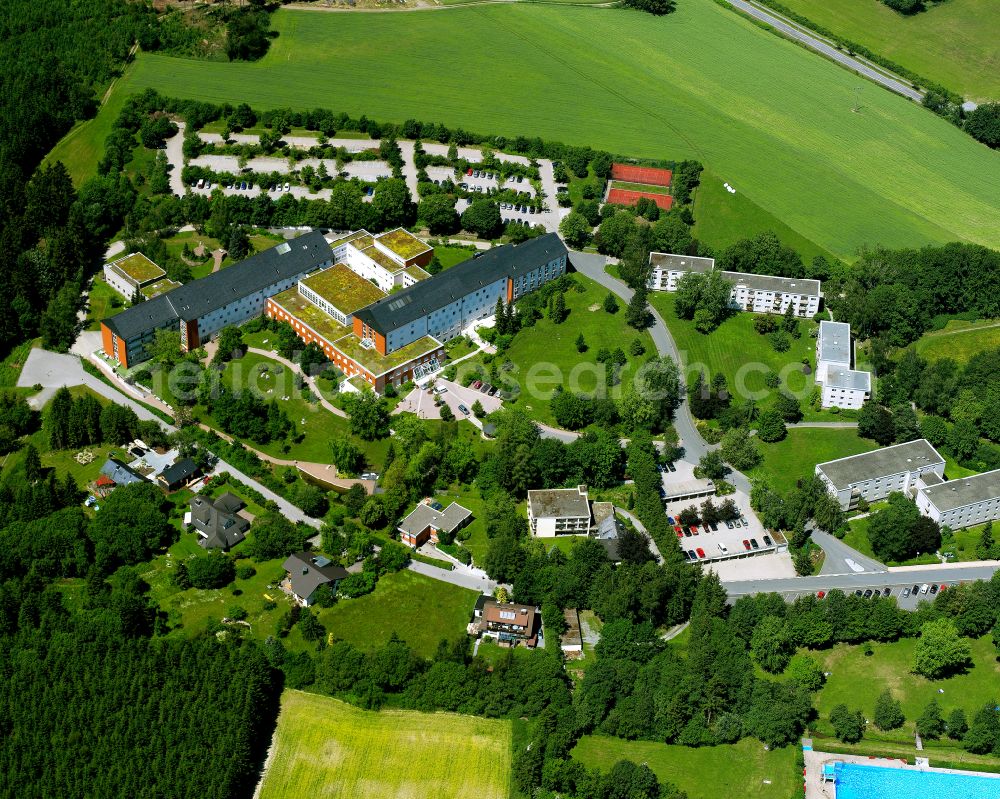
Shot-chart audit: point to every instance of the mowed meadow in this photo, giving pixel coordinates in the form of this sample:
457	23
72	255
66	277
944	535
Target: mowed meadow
325	748
774	120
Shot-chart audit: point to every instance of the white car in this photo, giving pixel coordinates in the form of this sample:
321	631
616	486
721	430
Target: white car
924	588
288	187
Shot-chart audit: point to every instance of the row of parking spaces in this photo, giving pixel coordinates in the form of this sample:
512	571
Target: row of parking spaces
907	594
252	190
362	170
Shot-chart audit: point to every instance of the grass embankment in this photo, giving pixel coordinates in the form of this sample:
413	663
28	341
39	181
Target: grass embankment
744	769
959	340
326	748
962	543
648	87
953	43
798	453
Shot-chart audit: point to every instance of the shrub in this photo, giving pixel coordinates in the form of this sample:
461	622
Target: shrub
213	570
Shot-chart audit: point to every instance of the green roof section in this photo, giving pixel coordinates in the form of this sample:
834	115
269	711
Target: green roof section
137	267
159	287
379	364
364	241
416	272
343	289
321	322
382	259
403	243
357	234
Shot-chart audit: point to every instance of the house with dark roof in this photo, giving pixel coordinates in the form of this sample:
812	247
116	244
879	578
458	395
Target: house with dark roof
178	475
120	474
509	623
428	520
201	308
217	522
304	573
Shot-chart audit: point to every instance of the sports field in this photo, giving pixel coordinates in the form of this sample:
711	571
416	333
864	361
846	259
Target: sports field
953	43
770	117
959	340
745	769
325	748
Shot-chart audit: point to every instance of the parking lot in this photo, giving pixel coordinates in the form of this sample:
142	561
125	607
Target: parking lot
421	400
907	592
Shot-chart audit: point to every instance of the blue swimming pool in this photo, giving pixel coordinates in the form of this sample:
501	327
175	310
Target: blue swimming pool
875	782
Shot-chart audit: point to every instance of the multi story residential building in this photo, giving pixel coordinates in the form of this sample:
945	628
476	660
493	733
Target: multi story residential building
874	475
134	274
390	260
201	308
961	503
750	292
559	511
841	385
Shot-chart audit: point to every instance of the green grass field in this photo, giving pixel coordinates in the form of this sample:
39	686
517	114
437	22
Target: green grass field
770	117
953	42
959	340
857	680
546	356
744	769
722	218
325	748
450	256
740	353
857	537
419	609
798	453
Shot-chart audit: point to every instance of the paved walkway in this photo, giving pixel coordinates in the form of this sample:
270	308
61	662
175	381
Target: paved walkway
175	157
462	578
639	526
309	381
839	556
822	46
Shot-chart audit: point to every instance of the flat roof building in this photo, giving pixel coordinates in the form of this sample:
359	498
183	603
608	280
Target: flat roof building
874	475
559	511
131	273
841	386
962	503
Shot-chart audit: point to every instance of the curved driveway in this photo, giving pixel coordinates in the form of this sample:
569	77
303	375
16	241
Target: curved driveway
813	42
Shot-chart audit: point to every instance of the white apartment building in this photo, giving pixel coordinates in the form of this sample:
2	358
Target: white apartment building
841	385
756	293
131	273
874	475
559	511
961	503
390	260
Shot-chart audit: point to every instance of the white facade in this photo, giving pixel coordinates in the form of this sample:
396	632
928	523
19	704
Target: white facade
841	386
874	475
559	511
962	503
117	277
756	293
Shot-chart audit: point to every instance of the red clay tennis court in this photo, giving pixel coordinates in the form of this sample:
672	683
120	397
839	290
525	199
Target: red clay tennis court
630	198
640	174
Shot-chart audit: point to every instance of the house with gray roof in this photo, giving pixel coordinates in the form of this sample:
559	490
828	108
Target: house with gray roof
842	386
217	522
120	473
961	503
874	475
559	511
305	572
429	520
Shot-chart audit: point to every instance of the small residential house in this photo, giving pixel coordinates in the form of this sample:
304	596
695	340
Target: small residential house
429	519
559	511
178	475
217	522
119	474
509	623
304	573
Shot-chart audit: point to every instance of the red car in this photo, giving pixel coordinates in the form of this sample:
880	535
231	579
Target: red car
820	594
746	544
677	529
477	384
680	534
701	552
470	171
694	529
944	587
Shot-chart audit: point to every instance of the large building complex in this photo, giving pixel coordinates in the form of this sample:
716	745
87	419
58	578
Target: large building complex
875	475
842	386
750	292
201	308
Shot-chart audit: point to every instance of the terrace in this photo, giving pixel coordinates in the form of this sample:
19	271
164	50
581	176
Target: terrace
403	243
298	306
379	364
138	267
343	289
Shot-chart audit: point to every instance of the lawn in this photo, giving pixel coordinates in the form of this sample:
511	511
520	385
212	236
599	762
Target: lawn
952	43
857	537
545	355
744	769
82	148
10	367
740	353
450	256
857	680
770	117
419	609
625	186
722	218
798	453
959	340
323	747
103	301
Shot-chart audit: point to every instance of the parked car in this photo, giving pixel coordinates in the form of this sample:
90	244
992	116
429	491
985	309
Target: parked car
477	383
671	467
520	179
868	593
469	171
729	524
924	588
288	187
680	534
693	554
686	555
701	552
746	544
944	587
754	544
694	529
463	409
820	594
485	388
493	391
916	590
463	185
767	541
441	390
714	526
934	589
369	476
886	591
677	529
687	533
671	520
723	549
906	593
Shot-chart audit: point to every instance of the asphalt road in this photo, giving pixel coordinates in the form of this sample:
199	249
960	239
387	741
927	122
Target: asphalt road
820	46
838	554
